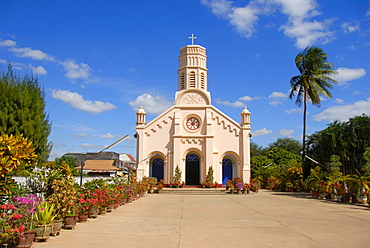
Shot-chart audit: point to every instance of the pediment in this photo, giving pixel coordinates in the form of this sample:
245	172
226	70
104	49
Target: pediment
193	97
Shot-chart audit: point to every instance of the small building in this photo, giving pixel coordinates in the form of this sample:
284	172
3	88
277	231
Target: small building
128	162
125	162
102	168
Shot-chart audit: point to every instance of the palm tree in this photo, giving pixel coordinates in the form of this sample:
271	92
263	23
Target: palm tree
314	81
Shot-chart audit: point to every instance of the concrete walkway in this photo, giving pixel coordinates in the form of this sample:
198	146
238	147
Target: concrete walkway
266	219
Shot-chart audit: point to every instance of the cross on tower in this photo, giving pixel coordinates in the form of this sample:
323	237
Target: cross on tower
192	39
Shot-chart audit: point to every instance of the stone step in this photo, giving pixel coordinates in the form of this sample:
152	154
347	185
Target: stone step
193	191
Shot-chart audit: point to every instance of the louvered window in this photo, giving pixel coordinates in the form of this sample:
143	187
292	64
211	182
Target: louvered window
202	81
192	80
182	81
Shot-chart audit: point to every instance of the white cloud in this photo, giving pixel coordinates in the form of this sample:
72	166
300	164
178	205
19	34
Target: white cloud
244	20
276	95
151	104
81	136
75	70
339	101
261	132
348	28
26	52
248	98
219	7
77	101
286	132
347	74
295	110
232	104
275	103
39	70
298	26
343	113
356	93
92	146
110	136
133	71
7	43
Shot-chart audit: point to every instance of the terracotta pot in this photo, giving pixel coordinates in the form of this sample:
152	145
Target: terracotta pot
82	217
25	239
70	222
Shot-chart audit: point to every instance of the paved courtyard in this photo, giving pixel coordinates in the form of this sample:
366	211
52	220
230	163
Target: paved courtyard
266	219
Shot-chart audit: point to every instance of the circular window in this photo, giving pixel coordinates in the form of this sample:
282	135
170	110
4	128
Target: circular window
192	123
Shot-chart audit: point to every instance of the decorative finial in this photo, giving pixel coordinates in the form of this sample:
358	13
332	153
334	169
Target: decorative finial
192	38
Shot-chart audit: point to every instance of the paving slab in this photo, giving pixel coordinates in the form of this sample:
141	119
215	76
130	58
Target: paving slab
265	219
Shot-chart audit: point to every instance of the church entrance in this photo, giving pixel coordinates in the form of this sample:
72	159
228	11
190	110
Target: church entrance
227	170
158	168
192	169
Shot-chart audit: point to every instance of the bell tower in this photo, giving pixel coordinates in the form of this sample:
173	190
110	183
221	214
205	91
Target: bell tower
192	72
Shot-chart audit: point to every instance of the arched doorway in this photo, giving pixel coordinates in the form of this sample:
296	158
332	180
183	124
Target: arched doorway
192	169
158	168
227	170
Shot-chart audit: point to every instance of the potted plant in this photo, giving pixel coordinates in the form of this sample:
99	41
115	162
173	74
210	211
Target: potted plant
209	178
82	206
26	207
239	187
177	177
44	218
10	227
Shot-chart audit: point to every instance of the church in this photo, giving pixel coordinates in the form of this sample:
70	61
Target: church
193	134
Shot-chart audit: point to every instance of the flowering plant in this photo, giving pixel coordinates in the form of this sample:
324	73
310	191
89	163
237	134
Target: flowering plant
9	224
102	197
26	206
86	200
63	197
239	185
129	190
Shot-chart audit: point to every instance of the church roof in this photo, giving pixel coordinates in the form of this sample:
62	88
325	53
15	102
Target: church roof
99	166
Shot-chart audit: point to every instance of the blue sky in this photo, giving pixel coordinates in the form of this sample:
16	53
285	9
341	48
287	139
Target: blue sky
100	60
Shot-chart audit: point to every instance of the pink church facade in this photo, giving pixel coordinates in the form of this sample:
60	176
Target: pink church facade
193	134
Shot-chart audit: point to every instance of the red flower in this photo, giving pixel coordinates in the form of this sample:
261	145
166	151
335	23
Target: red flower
17	216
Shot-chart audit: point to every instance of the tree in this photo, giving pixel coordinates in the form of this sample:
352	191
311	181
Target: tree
22	107
288	144
69	161
348	139
256	150
314	81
